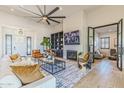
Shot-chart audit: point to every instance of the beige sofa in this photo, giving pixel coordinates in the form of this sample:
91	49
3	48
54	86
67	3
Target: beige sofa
9	80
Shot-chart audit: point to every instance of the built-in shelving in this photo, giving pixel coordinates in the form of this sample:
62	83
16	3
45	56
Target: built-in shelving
57	43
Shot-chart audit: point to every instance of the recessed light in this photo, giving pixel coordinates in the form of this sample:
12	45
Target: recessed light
11	9
60	8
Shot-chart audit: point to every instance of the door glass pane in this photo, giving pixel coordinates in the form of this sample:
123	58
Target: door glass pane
119	42
29	42
8	42
91	42
91	49
119	47
119	62
90	33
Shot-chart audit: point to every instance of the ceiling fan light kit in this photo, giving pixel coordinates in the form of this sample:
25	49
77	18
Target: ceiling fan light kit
45	16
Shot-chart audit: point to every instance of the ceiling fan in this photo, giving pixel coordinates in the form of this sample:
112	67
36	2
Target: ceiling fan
45	16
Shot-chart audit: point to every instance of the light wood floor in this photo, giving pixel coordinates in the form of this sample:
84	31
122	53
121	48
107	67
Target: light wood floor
104	75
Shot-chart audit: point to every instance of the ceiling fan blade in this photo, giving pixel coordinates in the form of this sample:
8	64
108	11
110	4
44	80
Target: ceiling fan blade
30	11
44	9
53	11
39	9
39	21
57	17
33	16
53	20
48	22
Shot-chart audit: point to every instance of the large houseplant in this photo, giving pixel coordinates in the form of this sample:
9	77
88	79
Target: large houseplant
46	43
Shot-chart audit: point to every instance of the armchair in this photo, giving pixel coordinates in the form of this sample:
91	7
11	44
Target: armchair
36	54
113	54
99	55
51	52
84	60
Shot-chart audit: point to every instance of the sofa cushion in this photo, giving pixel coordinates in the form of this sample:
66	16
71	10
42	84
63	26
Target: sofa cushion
10	81
15	58
98	51
28	74
6	58
24	63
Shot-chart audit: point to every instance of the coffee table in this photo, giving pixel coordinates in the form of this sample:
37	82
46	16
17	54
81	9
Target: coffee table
52	66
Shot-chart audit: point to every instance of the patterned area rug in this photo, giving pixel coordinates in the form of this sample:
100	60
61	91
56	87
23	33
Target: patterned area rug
70	76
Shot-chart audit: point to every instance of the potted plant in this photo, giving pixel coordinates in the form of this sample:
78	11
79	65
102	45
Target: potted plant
46	43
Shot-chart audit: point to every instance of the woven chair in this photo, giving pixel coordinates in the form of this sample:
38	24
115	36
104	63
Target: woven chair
82	61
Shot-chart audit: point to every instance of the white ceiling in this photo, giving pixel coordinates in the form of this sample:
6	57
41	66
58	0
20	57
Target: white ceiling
67	10
107	29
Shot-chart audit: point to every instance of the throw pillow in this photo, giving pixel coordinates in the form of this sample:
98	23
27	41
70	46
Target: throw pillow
15	58
28	74
98	51
85	57
23	63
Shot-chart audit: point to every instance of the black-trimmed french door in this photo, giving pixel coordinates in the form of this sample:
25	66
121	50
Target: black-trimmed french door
119	44
91	42
91	33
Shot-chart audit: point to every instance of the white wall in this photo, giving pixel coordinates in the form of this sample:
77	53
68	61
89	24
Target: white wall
19	42
40	30
57	28
106	15
72	23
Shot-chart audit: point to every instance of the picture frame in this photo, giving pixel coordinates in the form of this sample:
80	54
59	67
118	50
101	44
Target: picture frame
72	38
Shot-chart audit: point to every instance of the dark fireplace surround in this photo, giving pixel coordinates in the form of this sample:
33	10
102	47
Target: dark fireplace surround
72	55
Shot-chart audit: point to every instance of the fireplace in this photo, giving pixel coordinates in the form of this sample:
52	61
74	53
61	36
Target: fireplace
72	54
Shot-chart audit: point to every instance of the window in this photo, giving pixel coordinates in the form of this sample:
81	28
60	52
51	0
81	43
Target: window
105	42
29	47
8	44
